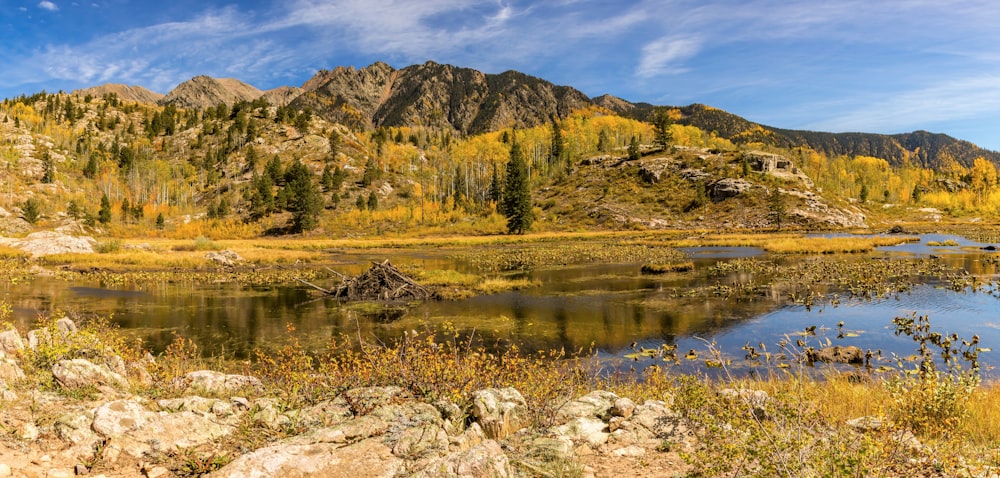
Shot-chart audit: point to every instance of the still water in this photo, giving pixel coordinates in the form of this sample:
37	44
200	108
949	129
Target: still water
599	308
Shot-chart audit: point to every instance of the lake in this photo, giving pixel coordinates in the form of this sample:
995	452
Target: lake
603	309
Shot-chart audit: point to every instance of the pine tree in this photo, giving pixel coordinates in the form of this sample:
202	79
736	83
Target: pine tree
125	209
160	222
776	208
556	148
372	201
274	170
633	149
334	141
49	174
662	136
603	141
517	192
496	187
360	202
90	169
304	198
104	214
31	210
261	196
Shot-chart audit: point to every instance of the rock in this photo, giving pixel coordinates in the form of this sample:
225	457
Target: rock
631	450
365	399
652	170
78	373
651	423
865	423
623	407
46	243
837	354
4	470
726	188
10	342
225	258
80	470
470	437
339	451
10	371
76	429
500	412
755	400
484	460
139	431
66	326
556	448
593	431
596	404
217	383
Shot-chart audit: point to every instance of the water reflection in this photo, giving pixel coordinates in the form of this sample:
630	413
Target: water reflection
604	308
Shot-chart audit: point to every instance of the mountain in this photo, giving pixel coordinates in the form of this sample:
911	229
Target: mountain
433	94
204	91
137	94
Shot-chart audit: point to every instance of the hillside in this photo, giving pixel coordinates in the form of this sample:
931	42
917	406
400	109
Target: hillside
205	92
137	94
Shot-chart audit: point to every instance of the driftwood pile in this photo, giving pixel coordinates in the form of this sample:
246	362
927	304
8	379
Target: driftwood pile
382	282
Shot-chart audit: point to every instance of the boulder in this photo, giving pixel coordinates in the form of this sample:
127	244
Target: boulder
138	431
484	460
11	342
46	243
500	412
755	400
593	431
225	258
10	371
78	373
837	354
596	404
726	188
217	383
651	423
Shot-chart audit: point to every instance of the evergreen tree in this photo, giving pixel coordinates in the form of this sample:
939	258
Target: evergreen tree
776	208
49	174
662	136
863	195
496	187
160	222
252	159
274	170
556	148
360	202
603	141
326	180
304	198
73	210
517	192
372	201
633	149
125	209
261	196
31	210
90	169
334	140
372	172
104	214
916	193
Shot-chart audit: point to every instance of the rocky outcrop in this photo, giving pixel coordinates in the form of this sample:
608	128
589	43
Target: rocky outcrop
500	412
726	188
282	96
44	243
79	373
204	91
837	354
134	93
224	258
433	94
216	383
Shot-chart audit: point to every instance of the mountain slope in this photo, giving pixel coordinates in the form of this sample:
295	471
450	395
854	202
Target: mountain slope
204	92
137	94
433	94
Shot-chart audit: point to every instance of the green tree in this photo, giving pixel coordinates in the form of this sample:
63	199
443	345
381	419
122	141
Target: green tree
603	141
90	169
556	148
73	210
372	172
274	170
662	136
334	141
633	149
776	209
496	187
360	202
104	214
863	195
49	168
125	209
261	196
517	192
304	198
160	222
916	194
372	201
326	180
31	210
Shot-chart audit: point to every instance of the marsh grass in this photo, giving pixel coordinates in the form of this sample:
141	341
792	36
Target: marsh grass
793	243
685	266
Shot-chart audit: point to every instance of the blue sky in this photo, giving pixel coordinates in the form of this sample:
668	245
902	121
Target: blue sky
884	66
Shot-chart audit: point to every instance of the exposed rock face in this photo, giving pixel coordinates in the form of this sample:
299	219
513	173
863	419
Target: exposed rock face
78	373
139	431
217	383
726	188
134	93
614	103
500	412
283	95
11	341
204	91
433	94
45	243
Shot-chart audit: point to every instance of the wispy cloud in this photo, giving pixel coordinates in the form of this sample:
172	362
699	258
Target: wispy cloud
46	5
666	56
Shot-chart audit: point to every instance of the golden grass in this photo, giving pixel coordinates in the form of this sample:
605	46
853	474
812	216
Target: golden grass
669	267
786	243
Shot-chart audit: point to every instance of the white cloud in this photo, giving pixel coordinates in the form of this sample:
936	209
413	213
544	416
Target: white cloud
666	55
47	5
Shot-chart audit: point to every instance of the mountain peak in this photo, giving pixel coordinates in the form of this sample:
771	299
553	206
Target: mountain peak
204	91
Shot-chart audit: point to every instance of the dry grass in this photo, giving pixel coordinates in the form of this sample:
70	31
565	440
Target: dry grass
793	243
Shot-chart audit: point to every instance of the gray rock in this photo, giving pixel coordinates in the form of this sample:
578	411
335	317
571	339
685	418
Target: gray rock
484	460
500	412
225	258
596	404
66	326
46	243
365	399
726	188
623	407
593	431
78	373
10	371
138	431
11	342
651	424
837	354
